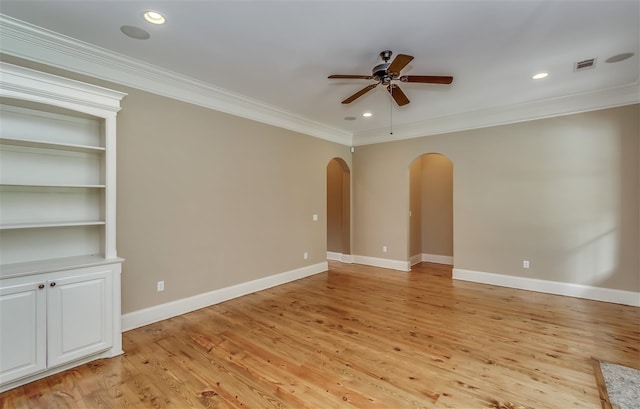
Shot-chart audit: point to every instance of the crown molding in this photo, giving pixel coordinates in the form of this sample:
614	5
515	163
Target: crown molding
502	115
24	40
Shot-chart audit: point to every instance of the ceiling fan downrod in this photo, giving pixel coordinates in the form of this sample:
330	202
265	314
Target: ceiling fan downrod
391	111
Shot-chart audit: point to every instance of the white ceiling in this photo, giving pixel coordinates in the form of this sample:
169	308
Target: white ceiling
281	52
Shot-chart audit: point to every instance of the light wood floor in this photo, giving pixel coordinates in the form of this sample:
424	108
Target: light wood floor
360	337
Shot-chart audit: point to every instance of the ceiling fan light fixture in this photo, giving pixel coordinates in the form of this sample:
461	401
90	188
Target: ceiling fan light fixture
367	114
540	75
154	17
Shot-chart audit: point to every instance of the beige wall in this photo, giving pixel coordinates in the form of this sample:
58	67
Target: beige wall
437	205
346	208
562	193
431	206
338	207
208	200
415	208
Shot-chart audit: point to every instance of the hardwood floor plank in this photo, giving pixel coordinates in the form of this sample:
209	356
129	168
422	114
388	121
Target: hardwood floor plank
602	387
359	337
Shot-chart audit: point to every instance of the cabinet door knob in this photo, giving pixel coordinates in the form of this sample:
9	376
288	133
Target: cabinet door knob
41	286
53	284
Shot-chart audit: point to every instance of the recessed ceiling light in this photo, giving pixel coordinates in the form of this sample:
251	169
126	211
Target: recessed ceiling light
540	75
135	32
154	17
367	114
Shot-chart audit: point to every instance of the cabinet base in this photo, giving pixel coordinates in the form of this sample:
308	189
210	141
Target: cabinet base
110	353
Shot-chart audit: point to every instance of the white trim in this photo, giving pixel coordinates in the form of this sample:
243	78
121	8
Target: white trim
332	255
344	258
382	262
415	259
161	312
347	258
24	40
501	115
31	85
550	287
436	258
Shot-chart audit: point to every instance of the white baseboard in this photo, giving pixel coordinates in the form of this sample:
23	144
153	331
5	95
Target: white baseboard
161	312
332	255
430	258
415	259
550	287
436	258
345	258
382	262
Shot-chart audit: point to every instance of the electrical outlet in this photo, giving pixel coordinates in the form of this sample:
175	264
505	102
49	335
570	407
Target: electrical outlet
315	217
384	249
525	264
306	255
160	285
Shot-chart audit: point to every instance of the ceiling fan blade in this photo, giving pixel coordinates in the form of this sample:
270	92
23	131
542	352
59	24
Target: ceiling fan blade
399	63
360	93
427	79
357	77
397	94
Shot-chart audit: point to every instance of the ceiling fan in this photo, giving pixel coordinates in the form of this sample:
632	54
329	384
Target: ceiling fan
386	72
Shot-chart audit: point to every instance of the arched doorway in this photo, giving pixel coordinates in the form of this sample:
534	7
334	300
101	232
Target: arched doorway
338	210
431	209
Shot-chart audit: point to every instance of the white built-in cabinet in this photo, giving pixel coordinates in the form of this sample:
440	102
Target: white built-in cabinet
59	270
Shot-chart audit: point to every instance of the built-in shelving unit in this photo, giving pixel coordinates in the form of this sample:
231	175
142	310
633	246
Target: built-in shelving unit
57	223
56	170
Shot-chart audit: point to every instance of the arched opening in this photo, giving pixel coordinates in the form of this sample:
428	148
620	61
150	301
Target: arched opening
338	210
431	209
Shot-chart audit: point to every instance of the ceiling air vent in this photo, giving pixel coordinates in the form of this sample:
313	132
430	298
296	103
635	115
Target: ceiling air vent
585	64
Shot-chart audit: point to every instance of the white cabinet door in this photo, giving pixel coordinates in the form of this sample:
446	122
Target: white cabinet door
23	327
79	316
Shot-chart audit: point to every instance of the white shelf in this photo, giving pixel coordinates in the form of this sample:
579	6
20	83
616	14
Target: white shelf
56	186
51	145
51	265
37	225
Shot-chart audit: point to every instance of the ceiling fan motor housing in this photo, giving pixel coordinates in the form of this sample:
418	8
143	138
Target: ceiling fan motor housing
380	73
